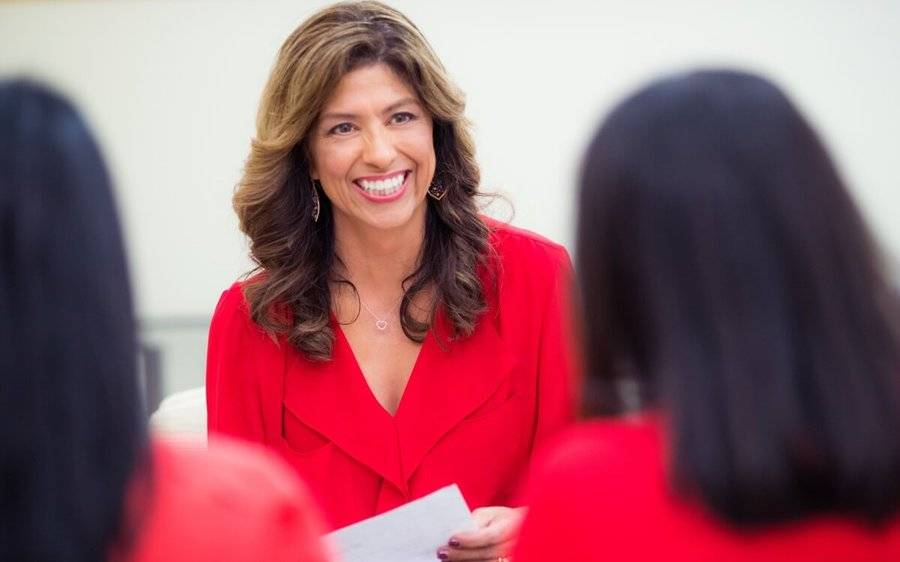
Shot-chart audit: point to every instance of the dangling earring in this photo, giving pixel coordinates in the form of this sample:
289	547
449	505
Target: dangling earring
316	207
437	190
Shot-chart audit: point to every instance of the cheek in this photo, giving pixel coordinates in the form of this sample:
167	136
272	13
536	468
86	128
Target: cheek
421	147
331	170
332	166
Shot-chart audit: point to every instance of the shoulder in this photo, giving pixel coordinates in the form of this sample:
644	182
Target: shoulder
616	463
604	452
232	319
586	492
528	268
517	245
247	474
231	499
232	306
232	301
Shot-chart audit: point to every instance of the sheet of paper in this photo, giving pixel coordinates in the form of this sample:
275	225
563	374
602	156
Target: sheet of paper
410	533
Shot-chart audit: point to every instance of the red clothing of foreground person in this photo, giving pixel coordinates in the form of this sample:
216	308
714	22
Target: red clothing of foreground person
601	493
230	504
471	413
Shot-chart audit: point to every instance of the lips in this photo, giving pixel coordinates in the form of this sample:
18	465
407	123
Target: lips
384	188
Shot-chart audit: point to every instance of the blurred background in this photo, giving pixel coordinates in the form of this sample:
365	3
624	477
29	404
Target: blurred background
171	89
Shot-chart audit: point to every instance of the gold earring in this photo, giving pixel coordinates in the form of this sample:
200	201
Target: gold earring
437	190
316	206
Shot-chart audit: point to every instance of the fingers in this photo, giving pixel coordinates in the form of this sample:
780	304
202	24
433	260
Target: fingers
483	516
485	554
485	536
494	537
496	525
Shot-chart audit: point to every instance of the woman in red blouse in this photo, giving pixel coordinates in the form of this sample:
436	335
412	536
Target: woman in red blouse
736	307
79	478
392	340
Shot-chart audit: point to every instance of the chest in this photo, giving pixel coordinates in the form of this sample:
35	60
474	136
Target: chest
387	419
386	358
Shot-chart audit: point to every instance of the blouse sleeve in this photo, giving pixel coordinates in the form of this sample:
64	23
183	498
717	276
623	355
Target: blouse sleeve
234	362
558	361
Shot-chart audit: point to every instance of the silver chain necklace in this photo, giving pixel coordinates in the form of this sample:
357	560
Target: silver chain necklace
380	323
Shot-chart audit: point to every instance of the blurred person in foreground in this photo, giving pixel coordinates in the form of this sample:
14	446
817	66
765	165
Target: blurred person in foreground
733	290
391	340
79	478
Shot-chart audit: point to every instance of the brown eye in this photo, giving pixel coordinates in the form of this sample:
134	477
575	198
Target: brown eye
341	129
402	117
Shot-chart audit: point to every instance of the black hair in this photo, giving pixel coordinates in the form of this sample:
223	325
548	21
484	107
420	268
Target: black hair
725	268
72	430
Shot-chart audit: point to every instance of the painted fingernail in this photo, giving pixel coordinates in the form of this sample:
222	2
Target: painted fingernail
443	554
454	543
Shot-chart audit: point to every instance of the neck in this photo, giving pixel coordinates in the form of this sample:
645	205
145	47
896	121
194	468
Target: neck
378	260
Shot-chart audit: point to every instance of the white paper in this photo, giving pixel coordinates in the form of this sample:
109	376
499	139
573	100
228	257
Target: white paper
410	533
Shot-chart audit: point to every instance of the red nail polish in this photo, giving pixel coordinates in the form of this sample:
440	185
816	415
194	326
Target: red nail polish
442	554
454	543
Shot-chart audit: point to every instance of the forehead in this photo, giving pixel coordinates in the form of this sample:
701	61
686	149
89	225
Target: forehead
371	87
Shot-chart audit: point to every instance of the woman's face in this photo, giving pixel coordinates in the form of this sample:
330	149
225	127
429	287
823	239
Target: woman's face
372	150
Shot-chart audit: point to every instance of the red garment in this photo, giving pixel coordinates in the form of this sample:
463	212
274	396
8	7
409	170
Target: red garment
472	411
600	493
229	504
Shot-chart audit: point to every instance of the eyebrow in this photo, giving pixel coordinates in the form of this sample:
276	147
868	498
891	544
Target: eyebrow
351	116
401	103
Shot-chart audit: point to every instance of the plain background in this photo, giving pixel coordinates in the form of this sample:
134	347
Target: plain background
171	88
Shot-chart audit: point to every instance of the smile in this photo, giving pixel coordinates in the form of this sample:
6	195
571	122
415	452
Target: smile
383	188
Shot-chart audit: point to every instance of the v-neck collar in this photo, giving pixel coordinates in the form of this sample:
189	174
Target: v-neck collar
449	380
341	339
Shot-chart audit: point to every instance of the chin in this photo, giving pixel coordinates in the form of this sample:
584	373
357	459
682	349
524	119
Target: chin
392	222
392	219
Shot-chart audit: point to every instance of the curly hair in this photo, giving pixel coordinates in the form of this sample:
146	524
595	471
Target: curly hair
294	255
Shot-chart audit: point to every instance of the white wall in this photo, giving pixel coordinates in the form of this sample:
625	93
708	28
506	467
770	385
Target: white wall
171	88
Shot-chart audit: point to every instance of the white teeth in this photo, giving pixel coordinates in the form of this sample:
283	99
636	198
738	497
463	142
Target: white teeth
383	187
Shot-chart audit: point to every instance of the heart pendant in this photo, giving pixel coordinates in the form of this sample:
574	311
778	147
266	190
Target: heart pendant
381	325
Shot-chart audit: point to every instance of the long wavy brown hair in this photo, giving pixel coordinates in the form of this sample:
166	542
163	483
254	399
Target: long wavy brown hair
289	291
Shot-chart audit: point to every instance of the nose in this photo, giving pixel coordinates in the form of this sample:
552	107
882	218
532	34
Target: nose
379	150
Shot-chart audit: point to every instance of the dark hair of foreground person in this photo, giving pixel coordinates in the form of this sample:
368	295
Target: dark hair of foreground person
728	276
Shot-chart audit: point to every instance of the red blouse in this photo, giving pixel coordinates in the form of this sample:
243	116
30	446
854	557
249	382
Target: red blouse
472	412
229	504
601	493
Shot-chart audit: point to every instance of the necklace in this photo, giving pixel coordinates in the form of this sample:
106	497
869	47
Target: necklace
380	323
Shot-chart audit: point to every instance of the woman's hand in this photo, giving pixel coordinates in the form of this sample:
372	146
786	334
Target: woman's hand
491	542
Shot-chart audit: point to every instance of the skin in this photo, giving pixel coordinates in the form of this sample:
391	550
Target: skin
374	127
495	537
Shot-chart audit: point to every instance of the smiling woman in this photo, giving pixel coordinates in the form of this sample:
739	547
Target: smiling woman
391	341
373	145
